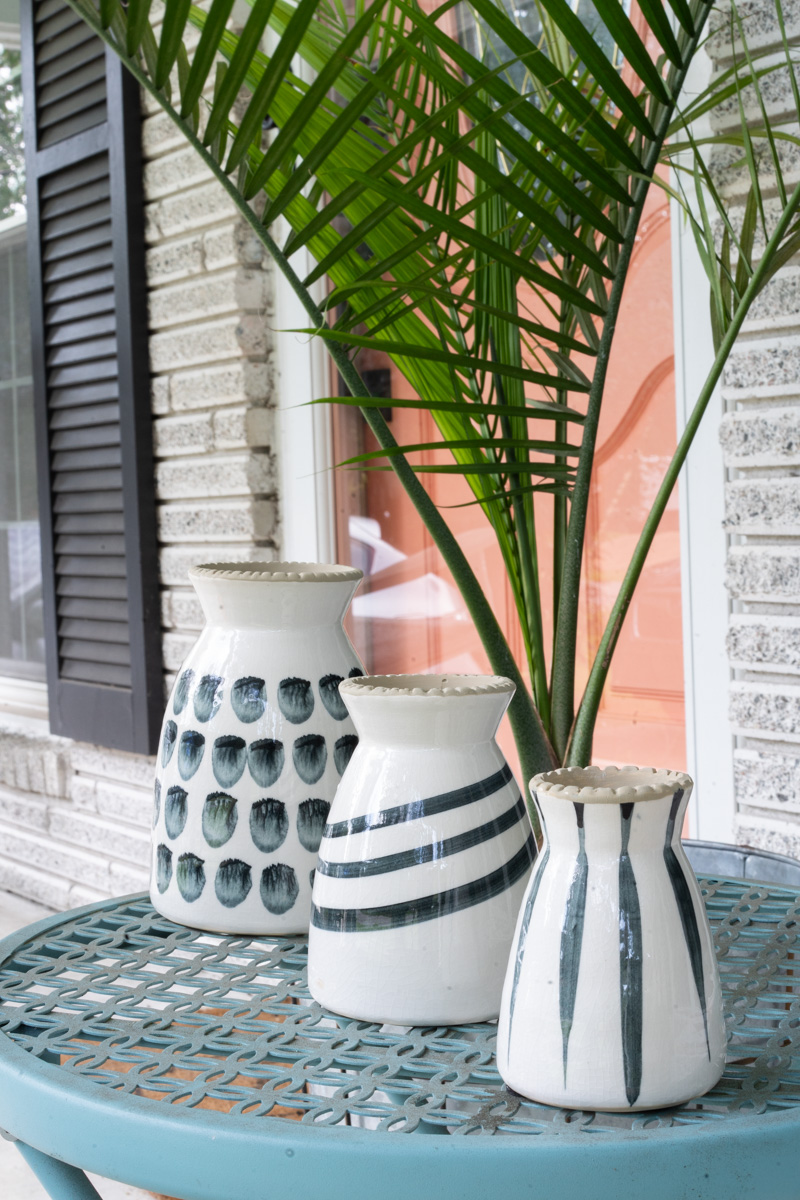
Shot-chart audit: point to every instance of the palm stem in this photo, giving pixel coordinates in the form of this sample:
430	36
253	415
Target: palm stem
566	636
580	747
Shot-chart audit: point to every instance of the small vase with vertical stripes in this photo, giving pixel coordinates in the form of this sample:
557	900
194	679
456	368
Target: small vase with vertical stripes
612	996
425	856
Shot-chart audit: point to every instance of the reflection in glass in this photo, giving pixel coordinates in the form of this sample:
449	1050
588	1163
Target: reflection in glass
21	629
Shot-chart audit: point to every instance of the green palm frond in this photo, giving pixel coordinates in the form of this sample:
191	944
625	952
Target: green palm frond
432	177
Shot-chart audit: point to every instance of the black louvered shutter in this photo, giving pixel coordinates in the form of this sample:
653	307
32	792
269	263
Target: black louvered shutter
91	383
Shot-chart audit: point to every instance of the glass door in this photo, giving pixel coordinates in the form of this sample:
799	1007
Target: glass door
409	616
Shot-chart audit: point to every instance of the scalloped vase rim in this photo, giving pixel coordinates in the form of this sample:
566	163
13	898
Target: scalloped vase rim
427	685
609	785
277	572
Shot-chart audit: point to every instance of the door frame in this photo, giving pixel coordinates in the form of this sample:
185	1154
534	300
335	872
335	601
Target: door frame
308	507
704	543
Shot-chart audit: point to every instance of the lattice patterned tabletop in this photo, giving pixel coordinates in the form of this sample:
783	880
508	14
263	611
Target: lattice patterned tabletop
116	1002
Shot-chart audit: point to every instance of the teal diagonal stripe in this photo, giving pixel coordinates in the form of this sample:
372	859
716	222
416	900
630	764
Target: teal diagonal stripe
432	851
427	908
430	807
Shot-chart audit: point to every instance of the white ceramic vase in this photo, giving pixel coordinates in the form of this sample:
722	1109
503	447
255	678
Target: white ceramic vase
425	857
612	997
254	742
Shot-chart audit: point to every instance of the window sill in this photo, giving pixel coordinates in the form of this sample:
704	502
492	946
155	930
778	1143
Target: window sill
24	698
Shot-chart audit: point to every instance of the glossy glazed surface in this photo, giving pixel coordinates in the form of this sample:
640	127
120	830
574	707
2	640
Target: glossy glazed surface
255	740
424	858
612	995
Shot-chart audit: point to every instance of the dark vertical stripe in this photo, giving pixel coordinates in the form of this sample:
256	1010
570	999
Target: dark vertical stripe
572	939
683	899
630	964
523	934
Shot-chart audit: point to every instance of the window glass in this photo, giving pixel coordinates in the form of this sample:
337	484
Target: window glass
408	615
21	630
477	37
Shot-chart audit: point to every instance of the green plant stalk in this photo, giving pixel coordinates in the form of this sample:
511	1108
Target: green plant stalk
566	635
535	751
566	632
560	516
580	747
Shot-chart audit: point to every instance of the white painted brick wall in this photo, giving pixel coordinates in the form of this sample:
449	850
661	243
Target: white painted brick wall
760	438
83	842
75	819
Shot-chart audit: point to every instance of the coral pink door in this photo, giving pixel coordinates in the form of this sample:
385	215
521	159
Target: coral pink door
409	616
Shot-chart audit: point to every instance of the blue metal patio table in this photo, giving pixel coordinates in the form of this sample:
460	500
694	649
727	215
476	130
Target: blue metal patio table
197	1065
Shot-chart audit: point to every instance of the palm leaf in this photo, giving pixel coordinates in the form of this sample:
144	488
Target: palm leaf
428	182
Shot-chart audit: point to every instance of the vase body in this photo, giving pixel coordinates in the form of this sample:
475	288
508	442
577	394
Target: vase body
425	856
254	742
612	997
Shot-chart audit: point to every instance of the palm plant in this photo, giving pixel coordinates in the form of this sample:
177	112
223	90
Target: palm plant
431	182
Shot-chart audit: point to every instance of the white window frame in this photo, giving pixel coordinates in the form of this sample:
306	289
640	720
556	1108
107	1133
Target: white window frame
10	37
704	544
305	435
19	695
25	698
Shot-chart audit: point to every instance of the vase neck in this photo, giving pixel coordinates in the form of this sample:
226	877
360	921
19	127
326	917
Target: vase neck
612	829
270	604
426	722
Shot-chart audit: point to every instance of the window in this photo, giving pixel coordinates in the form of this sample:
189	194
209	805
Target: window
21	626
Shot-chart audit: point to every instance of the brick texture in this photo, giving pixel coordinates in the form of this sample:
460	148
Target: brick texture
75	819
760	438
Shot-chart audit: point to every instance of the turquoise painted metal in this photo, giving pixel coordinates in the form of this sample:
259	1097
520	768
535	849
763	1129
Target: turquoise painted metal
196	1065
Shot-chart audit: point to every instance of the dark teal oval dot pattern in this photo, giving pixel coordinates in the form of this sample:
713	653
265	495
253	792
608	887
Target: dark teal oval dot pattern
182	689
175	811
190	877
296	699
233	882
264	759
311	818
219	818
249	698
208	697
163	867
228	759
329	693
279	888
269	824
168	739
190	753
310	756
343	751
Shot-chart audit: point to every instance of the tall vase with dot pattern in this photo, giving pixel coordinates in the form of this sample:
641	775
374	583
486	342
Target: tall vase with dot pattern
254	742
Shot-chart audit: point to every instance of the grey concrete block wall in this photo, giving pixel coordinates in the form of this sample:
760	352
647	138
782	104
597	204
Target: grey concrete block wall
760	439
74	818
